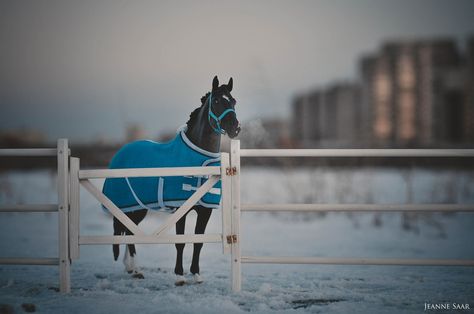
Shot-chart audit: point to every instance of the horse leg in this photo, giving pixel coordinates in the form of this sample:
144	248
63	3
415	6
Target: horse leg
129	259
203	215
178	269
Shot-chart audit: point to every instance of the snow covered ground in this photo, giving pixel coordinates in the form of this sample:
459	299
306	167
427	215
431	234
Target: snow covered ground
100	285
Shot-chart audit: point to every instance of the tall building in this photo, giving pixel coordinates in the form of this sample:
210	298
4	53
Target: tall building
390	79
405	93
410	87
440	86
307	118
382	106
341	103
297	118
367	69
328	115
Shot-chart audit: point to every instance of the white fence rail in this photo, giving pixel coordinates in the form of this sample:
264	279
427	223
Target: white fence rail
357	153
354	261
29	208
237	207
148	172
28	152
358	207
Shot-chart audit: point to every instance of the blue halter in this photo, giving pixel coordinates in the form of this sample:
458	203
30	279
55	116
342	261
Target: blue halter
218	129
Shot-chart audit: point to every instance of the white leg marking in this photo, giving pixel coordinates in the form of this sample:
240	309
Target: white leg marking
180	280
198	278
128	261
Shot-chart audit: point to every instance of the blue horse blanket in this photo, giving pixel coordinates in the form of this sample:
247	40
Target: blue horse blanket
160	193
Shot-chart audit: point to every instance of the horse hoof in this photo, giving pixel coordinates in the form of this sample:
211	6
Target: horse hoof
198	278
137	275
180	280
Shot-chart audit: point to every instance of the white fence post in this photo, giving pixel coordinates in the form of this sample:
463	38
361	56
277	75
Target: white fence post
74	212
235	251
226	194
63	207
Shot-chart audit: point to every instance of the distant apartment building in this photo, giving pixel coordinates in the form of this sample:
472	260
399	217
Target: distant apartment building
411	88
329	115
307	117
411	93
414	90
342	104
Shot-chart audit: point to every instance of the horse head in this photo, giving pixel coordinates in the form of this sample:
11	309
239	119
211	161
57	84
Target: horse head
221	109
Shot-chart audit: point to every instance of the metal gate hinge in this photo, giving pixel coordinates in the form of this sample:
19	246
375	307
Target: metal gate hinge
231	239
231	171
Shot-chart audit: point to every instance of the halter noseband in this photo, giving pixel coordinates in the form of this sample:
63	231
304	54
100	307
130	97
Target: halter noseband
218	129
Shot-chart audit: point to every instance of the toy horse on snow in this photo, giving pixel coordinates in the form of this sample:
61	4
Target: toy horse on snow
196	144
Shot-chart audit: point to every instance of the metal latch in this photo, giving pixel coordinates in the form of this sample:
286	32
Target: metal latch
231	239
231	171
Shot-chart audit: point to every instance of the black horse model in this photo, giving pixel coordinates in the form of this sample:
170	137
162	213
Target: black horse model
197	144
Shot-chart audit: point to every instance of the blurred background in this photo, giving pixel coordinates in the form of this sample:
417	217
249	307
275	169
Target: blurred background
307	73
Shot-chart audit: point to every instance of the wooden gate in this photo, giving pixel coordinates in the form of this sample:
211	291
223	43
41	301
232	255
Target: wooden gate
82	177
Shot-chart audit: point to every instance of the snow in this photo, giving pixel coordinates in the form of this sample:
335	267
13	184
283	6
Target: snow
100	285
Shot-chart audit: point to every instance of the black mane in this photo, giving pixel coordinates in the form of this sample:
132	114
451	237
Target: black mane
204	98
193	115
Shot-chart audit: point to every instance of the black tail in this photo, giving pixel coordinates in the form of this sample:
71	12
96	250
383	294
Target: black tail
117	231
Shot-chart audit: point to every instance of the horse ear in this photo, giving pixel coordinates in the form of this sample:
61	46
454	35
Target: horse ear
215	83
230	84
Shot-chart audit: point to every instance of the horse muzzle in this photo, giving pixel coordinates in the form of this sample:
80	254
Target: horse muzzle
234	131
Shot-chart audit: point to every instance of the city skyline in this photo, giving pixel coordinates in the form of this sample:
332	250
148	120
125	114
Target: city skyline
409	93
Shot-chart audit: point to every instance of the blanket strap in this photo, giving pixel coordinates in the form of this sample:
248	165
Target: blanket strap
135	196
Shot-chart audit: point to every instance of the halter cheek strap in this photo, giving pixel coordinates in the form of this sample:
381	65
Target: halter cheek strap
218	129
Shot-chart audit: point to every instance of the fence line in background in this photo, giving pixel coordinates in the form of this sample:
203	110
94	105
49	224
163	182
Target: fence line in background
62	155
358	207
354	261
28	152
29	261
29	208
357	152
237	154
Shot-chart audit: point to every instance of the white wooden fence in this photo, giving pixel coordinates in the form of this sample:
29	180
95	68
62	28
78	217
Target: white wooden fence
68	207
237	207
61	152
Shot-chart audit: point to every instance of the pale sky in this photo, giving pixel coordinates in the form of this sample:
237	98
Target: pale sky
86	69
